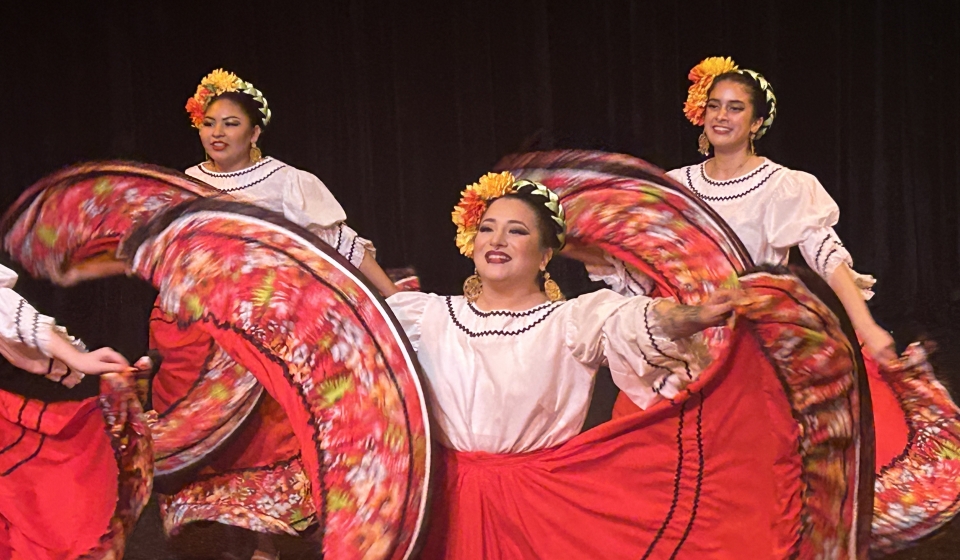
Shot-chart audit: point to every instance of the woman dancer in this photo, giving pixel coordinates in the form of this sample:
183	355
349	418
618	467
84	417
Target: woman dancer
773	209
241	487
510	368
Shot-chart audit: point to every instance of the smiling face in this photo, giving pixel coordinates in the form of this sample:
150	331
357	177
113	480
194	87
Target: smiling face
227	135
508	248
729	117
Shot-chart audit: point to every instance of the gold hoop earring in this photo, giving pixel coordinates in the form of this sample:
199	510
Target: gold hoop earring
255	153
551	288
703	145
752	136
472	287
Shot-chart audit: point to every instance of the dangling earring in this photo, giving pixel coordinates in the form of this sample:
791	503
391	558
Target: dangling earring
752	136
255	153
551	288
703	144
472	287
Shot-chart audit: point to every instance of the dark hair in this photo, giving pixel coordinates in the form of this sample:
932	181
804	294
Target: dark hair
246	102
547	227
757	97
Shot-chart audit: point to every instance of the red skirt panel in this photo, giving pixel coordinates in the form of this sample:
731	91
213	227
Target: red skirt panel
715	475
58	478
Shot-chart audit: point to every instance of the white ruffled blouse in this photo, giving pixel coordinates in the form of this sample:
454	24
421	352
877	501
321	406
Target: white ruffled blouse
771	209
300	196
509	382
25	335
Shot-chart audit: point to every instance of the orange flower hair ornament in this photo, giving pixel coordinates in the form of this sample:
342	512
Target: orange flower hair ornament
477	197
219	82
702	76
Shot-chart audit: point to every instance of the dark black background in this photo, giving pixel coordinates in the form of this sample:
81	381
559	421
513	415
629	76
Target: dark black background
397	104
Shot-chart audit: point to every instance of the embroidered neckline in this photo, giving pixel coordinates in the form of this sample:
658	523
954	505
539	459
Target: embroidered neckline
501	313
734	181
702	196
250	184
549	307
250	169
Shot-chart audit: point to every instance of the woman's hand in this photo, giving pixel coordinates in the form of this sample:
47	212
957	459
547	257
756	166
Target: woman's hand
681	321
104	360
880	346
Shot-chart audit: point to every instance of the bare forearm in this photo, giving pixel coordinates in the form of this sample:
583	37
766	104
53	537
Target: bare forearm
849	294
681	321
377	276
59	348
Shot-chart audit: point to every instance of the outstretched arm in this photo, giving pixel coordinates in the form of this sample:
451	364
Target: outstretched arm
878	342
678	321
371	269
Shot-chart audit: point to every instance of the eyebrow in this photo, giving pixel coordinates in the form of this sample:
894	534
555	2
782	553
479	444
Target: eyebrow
508	221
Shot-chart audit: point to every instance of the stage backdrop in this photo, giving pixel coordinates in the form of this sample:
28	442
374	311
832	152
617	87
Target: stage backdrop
396	105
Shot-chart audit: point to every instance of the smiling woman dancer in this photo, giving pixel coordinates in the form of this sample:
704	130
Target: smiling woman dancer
772	209
243	485
510	368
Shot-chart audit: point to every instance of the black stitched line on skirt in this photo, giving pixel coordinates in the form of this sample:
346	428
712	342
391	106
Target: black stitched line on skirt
23	432
700	469
676	487
471	334
25	460
40	416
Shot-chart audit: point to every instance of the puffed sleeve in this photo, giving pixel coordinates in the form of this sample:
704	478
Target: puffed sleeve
625	333
620	277
803	214
409	307
308	202
26	334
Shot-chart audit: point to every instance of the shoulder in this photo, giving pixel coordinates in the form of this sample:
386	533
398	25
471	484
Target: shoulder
602	302
680	174
792	184
8	278
418	302
194	171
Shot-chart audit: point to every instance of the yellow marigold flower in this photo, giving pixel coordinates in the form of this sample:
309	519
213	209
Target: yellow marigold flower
702	76
473	203
494	185
221	81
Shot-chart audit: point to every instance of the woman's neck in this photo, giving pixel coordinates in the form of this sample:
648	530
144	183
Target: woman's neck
509	297
727	165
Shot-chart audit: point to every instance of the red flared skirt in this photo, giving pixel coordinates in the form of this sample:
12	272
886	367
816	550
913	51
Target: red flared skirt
714	476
